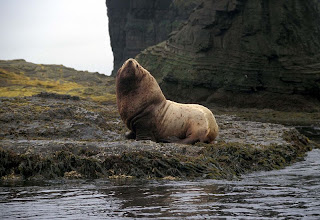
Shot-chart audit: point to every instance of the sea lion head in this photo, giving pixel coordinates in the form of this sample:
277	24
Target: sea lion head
131	70
136	90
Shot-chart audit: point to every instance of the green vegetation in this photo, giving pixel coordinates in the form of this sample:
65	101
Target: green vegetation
19	78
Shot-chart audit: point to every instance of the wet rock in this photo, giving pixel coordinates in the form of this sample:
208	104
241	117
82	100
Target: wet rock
250	132
36	117
86	140
56	96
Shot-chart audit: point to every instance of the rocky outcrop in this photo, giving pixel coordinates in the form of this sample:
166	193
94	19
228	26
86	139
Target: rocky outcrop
234	47
70	134
136	25
52	136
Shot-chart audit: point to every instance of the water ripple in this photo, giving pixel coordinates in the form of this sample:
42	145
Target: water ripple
290	193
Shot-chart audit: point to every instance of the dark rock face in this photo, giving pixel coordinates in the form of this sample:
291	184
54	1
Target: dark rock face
135	25
232	47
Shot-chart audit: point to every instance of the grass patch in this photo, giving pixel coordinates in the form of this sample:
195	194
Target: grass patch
16	83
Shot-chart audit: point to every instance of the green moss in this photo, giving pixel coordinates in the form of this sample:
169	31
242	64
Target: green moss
26	79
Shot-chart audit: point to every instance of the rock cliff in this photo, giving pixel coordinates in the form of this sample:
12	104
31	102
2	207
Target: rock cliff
135	25
259	53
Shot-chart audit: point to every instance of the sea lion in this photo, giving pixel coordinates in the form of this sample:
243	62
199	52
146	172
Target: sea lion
150	116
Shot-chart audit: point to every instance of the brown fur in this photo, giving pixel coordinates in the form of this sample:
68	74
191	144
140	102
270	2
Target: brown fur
149	116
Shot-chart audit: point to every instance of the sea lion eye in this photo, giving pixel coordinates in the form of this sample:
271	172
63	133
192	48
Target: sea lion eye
137	66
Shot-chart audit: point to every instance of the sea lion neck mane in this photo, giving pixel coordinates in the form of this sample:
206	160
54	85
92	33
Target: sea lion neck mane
133	82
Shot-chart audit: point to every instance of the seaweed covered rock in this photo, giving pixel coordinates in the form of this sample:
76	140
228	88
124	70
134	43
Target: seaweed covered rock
50	138
220	161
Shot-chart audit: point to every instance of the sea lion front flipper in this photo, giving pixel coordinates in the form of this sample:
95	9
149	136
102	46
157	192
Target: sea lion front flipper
144	134
130	135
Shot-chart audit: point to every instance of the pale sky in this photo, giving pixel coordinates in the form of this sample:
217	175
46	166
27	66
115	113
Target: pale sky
73	33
